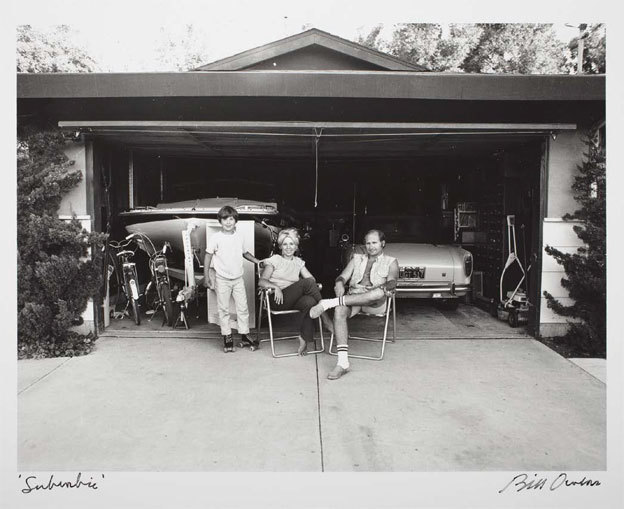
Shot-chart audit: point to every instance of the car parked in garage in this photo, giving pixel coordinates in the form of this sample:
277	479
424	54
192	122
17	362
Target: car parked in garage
429	271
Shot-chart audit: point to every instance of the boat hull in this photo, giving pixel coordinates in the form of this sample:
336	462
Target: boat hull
170	230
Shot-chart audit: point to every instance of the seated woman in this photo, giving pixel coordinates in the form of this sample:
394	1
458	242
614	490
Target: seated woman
294	286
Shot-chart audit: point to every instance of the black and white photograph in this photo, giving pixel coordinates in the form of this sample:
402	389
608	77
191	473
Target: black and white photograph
350	255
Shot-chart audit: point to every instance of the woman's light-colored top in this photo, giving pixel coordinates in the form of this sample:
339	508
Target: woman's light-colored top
285	272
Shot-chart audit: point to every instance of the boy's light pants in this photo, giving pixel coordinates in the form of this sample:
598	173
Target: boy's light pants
235	288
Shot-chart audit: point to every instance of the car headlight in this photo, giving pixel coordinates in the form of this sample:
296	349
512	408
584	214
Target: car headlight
468	264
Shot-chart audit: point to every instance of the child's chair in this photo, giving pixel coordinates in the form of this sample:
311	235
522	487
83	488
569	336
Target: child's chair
265	305
390	307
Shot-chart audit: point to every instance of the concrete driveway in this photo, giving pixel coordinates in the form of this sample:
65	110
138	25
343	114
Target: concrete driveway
181	404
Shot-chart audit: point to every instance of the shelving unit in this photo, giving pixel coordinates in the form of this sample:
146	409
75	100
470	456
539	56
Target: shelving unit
488	256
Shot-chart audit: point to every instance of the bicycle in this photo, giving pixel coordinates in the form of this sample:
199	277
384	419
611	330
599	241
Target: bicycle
127	279
160	278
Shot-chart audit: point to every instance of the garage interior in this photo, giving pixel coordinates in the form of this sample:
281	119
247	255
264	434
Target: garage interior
435	185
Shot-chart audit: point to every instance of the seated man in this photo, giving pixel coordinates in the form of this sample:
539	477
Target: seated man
372	276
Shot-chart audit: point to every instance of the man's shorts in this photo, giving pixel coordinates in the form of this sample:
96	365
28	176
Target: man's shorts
374	308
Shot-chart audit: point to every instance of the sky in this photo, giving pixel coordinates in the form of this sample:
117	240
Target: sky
122	35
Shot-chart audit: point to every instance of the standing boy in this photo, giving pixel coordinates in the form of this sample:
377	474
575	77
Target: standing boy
227	249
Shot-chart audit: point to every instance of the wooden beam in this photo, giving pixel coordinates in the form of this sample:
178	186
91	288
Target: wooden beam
199	126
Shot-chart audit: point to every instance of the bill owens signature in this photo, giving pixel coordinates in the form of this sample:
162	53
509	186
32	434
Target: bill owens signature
523	482
33	484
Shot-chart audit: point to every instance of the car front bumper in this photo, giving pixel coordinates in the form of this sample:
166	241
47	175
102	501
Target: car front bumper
423	290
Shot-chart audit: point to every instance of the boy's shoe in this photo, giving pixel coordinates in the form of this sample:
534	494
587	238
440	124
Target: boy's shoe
252	344
228	343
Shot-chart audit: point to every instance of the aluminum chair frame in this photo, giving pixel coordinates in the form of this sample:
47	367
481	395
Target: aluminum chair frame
390	304
265	303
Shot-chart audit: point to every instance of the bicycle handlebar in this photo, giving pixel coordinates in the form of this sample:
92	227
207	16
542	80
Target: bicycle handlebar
142	241
119	244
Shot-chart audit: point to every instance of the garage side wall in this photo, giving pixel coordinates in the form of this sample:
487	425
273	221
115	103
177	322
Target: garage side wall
565	154
75	202
78	202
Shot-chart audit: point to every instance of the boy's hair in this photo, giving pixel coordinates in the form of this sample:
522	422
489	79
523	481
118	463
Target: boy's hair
288	233
379	233
227	211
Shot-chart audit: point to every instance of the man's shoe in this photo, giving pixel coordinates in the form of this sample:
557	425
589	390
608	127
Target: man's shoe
337	372
316	311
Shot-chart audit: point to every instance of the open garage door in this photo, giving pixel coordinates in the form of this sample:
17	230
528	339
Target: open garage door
419	183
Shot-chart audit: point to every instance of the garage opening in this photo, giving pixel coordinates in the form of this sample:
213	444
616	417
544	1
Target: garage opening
435	184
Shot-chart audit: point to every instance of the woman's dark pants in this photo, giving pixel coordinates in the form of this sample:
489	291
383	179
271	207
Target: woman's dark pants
301	296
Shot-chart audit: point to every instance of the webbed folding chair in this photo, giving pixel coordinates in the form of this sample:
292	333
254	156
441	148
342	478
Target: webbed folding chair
265	305
390	307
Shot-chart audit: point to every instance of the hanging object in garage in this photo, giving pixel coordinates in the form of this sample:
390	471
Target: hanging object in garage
317	138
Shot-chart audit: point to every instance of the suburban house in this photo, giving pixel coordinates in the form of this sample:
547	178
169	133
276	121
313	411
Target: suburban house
344	139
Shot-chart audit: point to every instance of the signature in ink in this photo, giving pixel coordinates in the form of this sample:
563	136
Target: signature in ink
32	483
522	482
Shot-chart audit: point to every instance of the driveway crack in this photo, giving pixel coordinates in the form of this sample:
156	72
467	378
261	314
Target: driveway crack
44	376
318	400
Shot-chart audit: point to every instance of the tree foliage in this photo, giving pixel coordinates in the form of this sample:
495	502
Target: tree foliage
182	49
594	49
477	48
586	269
51	51
58	263
516	48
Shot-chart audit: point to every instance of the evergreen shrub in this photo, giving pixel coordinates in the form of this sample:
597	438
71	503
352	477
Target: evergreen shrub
586	269
58	262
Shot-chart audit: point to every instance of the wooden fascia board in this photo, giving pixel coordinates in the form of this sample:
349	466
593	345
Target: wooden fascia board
324	84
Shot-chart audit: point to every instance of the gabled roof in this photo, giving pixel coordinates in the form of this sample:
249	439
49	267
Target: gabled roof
327	43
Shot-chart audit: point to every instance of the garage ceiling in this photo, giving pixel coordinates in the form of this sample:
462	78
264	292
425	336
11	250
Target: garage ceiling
296	140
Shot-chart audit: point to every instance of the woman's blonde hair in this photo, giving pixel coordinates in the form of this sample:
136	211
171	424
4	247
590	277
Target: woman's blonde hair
286	233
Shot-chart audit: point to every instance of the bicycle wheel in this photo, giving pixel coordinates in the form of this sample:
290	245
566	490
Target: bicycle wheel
165	298
115	281
134	303
135	311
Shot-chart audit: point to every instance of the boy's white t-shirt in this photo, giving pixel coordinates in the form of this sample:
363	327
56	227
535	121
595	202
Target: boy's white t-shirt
227	251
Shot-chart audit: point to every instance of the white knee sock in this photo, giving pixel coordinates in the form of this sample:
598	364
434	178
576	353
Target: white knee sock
343	356
332	303
329	303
